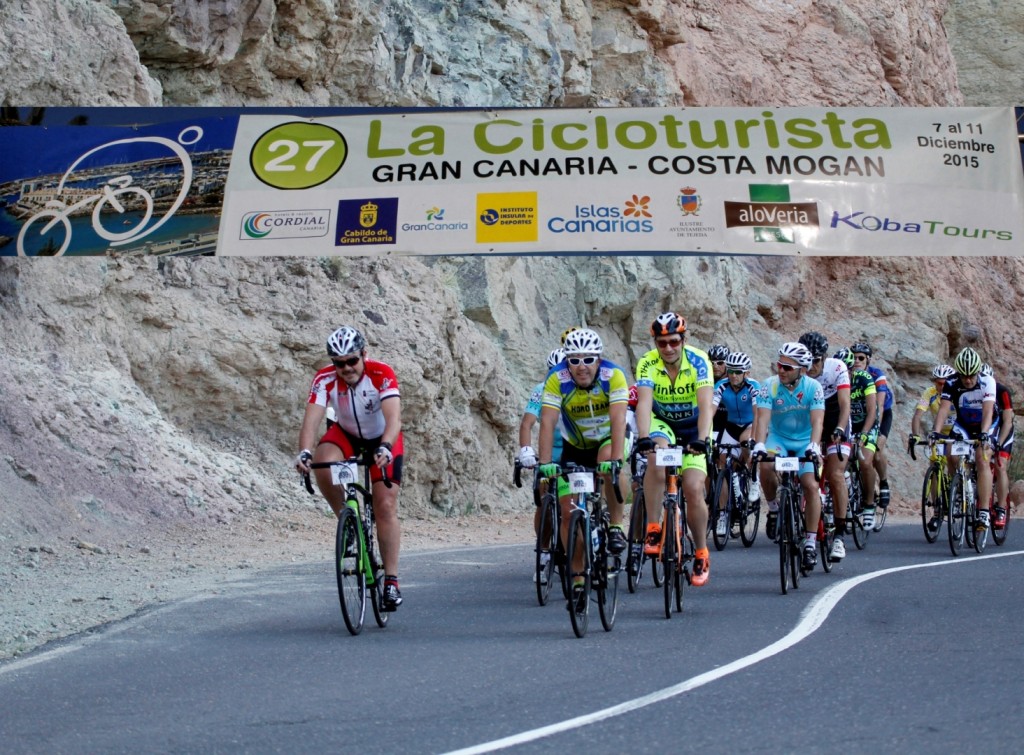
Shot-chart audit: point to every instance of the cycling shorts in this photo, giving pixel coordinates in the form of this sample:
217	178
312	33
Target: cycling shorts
775	447
661	429
826	433
871	441
731	436
885	425
365	448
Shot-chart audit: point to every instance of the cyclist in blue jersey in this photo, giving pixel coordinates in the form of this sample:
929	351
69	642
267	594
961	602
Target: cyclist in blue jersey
788	421
883	417
736	393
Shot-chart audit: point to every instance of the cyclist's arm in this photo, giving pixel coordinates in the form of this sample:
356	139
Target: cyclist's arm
312	421
915	422
617	415
546	441
761	418
705	412
869	414
817	424
940	416
843	396
391	408
644	409
1005	424
526	429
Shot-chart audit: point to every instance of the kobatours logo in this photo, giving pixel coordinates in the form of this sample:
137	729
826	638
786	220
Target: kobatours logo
861	221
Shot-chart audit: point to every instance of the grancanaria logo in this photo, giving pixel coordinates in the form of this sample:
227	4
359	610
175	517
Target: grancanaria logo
252	226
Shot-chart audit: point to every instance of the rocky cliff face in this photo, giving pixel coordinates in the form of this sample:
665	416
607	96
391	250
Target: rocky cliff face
143	391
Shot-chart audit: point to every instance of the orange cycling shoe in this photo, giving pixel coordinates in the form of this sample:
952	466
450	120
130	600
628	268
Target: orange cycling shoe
652	543
701	568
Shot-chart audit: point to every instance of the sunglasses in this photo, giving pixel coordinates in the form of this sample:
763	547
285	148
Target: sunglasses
350	362
735	372
785	367
577	361
719	362
816	360
860	358
668	343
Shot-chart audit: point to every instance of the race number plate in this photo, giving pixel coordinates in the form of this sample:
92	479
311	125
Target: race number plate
581	482
787	464
669	457
959	448
343	474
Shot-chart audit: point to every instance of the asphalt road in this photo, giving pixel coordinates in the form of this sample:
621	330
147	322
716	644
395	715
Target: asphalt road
908	659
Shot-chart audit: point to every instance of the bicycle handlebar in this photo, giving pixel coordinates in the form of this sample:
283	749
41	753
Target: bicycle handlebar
616	467
328	464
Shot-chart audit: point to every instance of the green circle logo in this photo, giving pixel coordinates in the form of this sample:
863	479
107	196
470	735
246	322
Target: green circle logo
298	155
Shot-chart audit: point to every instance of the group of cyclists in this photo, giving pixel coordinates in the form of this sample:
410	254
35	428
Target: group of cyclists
813	406
816	406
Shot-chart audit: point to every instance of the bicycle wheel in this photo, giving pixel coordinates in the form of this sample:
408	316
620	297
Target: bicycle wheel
796	561
957	514
855	515
999	535
637	533
377	568
748	513
348	561
608	593
970	520
826	533
547	543
931	503
669	558
782	527
579	552
720	504
979	537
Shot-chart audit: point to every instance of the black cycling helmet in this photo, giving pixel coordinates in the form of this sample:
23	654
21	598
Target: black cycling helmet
815	342
861	348
719	352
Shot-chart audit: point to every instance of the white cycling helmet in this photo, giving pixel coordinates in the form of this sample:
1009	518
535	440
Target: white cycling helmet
737	360
583	341
942	372
555	357
797	352
345	340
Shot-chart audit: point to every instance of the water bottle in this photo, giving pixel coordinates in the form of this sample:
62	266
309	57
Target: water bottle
595	539
736	490
968	488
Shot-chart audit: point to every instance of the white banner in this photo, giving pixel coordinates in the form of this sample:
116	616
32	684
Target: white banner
820	181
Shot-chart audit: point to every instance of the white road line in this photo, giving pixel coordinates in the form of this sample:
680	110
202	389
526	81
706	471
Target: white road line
811	619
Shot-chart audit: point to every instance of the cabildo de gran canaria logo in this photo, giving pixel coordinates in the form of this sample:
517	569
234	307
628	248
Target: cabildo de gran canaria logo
285	224
633	217
771	214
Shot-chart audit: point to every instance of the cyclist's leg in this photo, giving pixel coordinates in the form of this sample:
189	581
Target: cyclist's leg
654	477
812	502
833	471
616	510
693	477
385	508
881	460
333	446
983	470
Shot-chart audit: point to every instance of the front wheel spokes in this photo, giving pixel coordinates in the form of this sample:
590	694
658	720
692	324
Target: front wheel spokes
578	567
608	595
720	497
670	558
931	503
637	537
781	532
348	562
547	540
957	514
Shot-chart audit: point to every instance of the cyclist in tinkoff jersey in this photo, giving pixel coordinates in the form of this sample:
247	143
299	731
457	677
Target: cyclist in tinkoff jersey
588	394
863	408
674	407
363	395
789	415
736	393
527	456
974	397
862	358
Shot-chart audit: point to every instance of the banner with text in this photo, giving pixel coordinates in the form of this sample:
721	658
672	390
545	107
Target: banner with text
823	181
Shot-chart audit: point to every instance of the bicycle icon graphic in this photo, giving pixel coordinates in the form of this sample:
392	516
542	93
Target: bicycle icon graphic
116	197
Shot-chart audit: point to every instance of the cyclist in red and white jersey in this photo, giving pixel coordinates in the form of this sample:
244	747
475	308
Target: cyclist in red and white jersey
364	397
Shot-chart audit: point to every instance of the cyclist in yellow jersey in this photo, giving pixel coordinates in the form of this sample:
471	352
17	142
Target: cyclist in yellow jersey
588	396
674	407
930	401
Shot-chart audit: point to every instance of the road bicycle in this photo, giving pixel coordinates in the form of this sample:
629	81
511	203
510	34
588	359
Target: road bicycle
677	549
934	494
826	526
729	496
549	555
636	558
962	517
789	529
359	570
855	499
587	555
999	533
